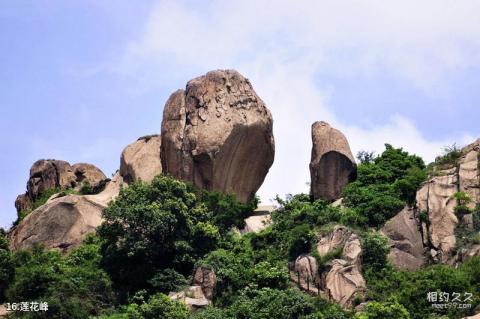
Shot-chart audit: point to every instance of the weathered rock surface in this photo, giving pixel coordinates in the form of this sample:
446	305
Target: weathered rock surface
205	278
50	174
405	239
259	220
192	297
307	267
141	159
217	133
332	164
200	294
88	174
64	222
435	231
341	278
334	240
343	281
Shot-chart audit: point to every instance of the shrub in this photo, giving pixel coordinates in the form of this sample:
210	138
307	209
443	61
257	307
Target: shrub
379	310
73	286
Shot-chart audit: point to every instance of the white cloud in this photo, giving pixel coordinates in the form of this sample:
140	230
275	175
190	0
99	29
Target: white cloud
283	45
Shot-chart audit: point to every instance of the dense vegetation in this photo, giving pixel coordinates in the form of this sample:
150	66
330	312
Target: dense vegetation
385	184
156	234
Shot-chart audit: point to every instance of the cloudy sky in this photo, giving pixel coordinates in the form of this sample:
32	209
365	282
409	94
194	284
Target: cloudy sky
79	80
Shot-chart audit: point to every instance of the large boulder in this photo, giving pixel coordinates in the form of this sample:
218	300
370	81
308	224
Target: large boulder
64	221
217	133
55	174
88	174
141	159
332	165
405	239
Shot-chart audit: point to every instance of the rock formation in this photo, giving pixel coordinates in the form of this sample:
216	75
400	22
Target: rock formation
259	220
205	278
341	278
405	239
51	174
332	164
88	174
200	294
64	221
141	159
217	133
433	221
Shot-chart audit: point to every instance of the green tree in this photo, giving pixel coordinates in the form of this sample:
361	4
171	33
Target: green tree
153	227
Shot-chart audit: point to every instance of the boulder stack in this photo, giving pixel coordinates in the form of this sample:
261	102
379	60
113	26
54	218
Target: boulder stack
55	174
217	133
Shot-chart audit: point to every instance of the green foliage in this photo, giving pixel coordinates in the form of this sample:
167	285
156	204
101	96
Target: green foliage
382	310
7	267
375	250
238	268
410	289
269	303
365	157
152	227
73	286
450	157
158	306
385	185
168	280
227	211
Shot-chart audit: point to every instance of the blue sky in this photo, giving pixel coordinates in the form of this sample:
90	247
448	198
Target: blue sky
82	79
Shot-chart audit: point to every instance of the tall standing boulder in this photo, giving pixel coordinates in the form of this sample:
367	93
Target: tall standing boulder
332	165
141	159
217	133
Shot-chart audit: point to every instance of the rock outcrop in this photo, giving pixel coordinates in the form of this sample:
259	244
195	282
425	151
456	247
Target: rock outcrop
200	294
428	230
141	159
332	165
217	133
64	221
259	220
205	278
51	174
405	239
436	200
340	279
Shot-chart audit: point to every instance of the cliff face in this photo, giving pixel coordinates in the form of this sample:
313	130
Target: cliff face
432	224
